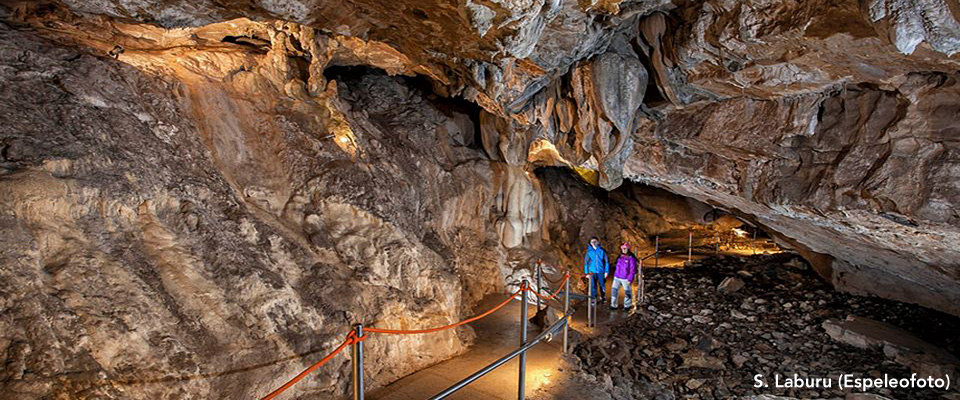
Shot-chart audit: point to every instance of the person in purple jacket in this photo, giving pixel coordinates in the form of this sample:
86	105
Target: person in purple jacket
626	269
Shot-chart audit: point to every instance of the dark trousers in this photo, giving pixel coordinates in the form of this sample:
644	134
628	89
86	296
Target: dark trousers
598	282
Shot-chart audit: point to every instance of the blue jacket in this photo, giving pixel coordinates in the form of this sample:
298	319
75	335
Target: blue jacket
595	261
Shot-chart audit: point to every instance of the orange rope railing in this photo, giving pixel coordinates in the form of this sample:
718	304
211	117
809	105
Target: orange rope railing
566	277
552	296
454	325
352	339
542	297
547	278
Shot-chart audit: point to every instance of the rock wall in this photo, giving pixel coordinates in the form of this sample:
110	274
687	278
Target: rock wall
193	223
861	177
241	178
206	218
209	211
820	121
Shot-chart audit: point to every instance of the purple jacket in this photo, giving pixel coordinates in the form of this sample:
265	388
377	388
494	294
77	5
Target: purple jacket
626	267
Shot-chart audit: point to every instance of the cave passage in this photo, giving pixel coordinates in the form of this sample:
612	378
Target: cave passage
234	200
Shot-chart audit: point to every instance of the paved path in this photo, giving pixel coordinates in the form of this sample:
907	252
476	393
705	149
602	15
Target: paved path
497	335
548	375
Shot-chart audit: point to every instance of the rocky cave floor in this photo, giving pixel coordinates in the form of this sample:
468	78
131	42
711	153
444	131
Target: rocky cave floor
691	340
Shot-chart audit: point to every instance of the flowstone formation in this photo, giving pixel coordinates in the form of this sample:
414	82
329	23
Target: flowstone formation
230	184
147	253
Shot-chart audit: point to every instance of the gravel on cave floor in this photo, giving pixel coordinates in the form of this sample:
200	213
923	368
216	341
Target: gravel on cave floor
690	340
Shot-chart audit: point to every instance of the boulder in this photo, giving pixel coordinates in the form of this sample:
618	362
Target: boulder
695	358
694	384
899	345
797	263
730	284
738	360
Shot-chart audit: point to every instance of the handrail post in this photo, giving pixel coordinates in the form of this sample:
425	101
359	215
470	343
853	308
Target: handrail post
717	235
358	364
589	300
523	340
596	305
656	262
539	281
566	310
596	301
641	283
690	247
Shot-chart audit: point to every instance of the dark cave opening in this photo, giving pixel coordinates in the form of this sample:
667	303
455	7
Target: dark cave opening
425	87
652	220
251	41
652	98
346	73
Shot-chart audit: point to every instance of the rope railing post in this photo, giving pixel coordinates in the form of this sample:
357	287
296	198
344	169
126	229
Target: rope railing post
641	281
589	300
358	364
521	382
539	281
596	300
717	235
357	335
690	247
656	260
566	311
596	304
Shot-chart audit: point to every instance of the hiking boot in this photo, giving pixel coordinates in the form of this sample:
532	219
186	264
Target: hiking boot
613	307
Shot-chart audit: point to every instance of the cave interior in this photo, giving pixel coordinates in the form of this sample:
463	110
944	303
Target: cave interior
200	199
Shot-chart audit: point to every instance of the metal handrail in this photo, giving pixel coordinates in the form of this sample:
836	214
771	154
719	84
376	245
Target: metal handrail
651	255
503	360
358	333
524	345
661	252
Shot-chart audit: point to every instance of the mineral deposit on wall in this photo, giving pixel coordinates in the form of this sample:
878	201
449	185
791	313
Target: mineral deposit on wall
195	192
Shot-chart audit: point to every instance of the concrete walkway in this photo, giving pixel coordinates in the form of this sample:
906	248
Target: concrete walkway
548	373
497	335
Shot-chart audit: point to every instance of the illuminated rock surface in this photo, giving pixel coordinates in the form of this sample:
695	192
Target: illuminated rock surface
246	179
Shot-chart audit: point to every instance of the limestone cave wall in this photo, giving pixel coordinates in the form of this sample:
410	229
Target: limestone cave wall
204	219
189	185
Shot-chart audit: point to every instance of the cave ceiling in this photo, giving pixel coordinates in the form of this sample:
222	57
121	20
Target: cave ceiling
831	123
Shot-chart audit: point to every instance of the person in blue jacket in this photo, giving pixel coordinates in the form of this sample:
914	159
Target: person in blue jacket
595	262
